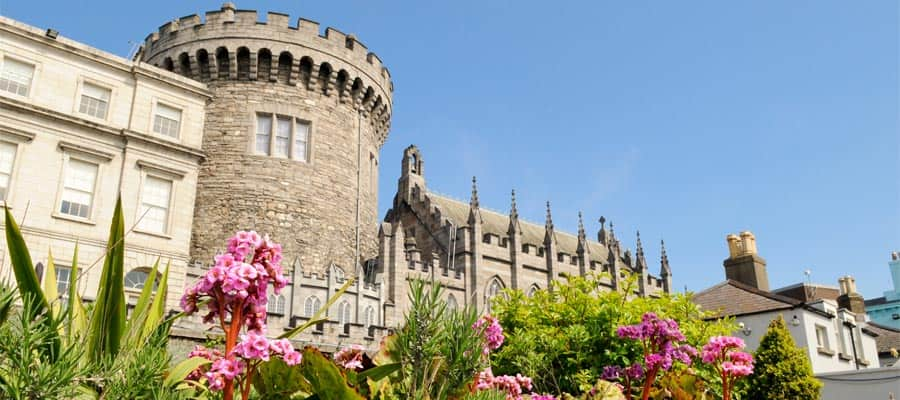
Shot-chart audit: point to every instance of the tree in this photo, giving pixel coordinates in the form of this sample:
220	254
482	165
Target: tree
782	371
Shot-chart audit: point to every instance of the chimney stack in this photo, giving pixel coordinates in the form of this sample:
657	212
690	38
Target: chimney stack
850	299
743	263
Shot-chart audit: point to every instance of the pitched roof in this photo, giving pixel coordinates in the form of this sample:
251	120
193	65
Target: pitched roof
498	224
888	338
877	301
733	298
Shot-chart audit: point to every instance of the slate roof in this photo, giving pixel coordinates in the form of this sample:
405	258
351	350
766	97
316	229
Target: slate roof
888	338
876	301
498	224
732	298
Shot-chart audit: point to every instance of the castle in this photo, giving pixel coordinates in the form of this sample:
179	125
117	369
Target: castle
225	123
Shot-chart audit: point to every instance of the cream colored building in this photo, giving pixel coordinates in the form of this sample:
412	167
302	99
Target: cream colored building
77	127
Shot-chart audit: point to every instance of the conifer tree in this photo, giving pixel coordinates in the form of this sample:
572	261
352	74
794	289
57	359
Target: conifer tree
781	370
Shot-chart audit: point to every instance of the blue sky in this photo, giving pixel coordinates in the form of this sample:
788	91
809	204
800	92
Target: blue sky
687	120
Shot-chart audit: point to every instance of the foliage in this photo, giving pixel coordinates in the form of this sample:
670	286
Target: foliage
437	348
782	371
563	337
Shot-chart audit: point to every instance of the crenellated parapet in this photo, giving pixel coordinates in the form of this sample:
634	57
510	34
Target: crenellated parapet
232	44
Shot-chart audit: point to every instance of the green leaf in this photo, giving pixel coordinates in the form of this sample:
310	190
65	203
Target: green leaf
318	316
326	380
27	279
7	299
183	369
378	373
135	325
277	380
51	290
77	314
108	317
158	309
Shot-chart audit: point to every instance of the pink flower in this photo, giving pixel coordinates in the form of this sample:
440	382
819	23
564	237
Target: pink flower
350	357
490	327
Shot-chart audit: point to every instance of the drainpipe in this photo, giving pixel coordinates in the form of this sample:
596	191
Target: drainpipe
853	344
358	200
130	118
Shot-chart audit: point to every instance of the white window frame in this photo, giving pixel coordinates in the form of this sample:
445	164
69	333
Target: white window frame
62	292
345	313
145	176
155	110
276	304
4	199
62	188
371	316
35	67
158	171
79	94
146	270
822	336
293	153
311	306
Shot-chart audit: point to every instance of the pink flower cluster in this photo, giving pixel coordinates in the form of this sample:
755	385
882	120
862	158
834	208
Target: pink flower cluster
542	397
490	327
237	282
660	338
350	357
725	351
511	385
209	354
255	346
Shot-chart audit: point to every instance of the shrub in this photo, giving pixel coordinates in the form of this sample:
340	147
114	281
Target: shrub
782	371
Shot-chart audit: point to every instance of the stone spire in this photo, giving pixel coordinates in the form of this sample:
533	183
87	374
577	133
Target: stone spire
602	235
513	215
548	226
664	270
640	261
474	208
582	237
584	252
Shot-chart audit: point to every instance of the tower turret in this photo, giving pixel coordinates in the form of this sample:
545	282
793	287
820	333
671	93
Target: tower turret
293	133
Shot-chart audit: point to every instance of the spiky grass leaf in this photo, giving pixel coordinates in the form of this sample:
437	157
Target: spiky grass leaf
158	309
319	315
77	314
108	317
135	325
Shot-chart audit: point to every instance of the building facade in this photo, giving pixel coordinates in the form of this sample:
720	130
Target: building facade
885	310
79	126
227	123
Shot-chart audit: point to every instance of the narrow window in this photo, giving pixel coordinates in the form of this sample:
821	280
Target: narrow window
263	133
155	196
167	120
15	76
370	316
344	313
94	100
78	188
275	304
7	157
283	137
312	306
62	281
301	141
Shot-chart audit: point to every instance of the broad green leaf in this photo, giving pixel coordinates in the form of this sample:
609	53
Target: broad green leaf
319	315
378	373
108	317
135	324
158	309
325	379
183	369
26	277
51	290
77	314
277	380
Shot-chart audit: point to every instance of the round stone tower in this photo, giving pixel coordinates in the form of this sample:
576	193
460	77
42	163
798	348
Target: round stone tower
292	136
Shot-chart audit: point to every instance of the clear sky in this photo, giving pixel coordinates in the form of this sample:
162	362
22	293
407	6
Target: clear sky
687	120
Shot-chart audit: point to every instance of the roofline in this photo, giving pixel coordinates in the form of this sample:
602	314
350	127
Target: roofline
804	284
790	303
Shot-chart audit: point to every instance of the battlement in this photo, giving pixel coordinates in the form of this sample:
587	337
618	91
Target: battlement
234	44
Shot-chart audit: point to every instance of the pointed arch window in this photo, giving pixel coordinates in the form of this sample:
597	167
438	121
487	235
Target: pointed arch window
452	305
493	290
533	290
311	306
275	304
370	316
344	313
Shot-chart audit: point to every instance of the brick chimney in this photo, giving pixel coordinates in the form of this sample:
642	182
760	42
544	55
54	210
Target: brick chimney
850	299
743	263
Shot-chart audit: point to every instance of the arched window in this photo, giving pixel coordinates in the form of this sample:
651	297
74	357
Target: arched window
275	305
344	313
243	63
324	77
136	278
223	64
168	64
533	289
203	64
312	306
306	65
264	65
338	274
184	65
493	290
370	316
452	305
285	63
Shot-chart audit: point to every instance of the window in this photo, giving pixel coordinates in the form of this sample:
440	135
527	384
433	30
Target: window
275	135
78	188
275	304
344	313
62	281
15	76
137	278
312	306
493	290
821	337
155	196
534	289
167	120
94	100
338	274
370	316
7	157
